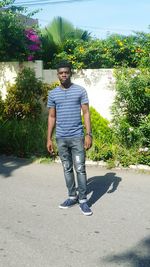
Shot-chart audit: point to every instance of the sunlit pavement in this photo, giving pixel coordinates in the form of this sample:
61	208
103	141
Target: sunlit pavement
34	232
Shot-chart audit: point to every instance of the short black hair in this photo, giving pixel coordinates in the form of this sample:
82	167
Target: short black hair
64	64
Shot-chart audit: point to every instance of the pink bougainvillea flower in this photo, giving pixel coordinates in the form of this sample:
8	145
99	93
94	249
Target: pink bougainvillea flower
29	32
32	35
30	58
34	47
34	38
33	43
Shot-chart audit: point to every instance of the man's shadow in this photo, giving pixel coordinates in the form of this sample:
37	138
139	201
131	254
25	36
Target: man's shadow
10	164
99	185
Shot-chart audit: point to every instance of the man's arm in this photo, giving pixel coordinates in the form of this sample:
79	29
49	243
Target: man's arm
87	123
51	126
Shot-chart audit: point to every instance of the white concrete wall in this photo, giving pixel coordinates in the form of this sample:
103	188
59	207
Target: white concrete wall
50	76
99	83
8	73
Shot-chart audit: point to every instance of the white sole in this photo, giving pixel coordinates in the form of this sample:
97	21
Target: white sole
86	213
65	208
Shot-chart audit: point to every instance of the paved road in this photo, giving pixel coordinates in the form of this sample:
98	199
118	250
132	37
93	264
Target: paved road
34	232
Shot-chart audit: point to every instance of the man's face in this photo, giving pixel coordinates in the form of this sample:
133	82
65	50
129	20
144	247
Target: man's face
64	75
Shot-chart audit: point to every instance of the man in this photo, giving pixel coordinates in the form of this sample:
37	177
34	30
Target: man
65	103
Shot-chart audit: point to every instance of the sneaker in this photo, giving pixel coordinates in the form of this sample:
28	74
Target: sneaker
68	203
85	209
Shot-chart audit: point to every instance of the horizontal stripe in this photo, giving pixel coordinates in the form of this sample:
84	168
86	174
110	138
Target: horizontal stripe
68	109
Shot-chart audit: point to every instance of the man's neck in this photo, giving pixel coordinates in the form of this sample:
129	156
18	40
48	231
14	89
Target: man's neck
66	86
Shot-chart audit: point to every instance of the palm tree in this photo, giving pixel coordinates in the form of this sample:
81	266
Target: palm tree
60	29
49	49
55	34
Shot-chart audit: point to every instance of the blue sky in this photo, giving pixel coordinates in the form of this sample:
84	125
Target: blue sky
100	17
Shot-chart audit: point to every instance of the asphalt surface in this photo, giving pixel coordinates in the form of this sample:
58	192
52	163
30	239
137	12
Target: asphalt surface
34	232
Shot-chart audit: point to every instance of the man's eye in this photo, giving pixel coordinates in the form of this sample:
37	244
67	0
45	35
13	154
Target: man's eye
64	72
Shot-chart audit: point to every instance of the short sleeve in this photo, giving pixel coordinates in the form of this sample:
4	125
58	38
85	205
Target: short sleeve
84	97
50	102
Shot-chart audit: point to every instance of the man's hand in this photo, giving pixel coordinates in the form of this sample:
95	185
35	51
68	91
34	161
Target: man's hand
50	146
87	142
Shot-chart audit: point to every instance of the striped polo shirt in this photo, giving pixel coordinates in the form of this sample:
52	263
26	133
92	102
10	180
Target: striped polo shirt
67	103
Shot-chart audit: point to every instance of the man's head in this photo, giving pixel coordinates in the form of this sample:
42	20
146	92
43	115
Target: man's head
64	73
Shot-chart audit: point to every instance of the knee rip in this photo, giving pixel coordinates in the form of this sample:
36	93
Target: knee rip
80	168
67	167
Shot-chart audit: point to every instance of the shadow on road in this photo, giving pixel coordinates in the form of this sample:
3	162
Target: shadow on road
99	185
139	256
9	164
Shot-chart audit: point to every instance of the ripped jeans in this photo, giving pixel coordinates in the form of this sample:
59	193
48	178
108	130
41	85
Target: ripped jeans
72	154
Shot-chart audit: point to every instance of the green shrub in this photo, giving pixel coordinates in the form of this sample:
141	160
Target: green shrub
100	151
131	107
100	127
14	44
144	130
124	156
125	134
116	50
144	158
1	107
22	100
24	128
24	138
102	137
